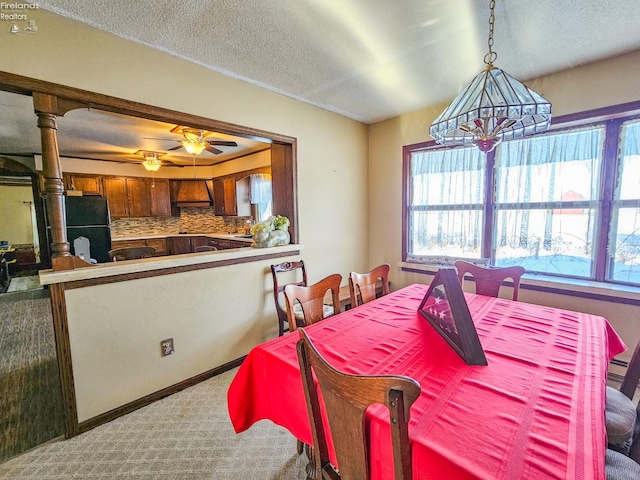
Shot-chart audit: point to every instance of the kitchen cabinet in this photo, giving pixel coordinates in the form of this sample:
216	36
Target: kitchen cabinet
185	244
128	243
160	244
226	243
135	197
138	198
115	189
87	184
224	191
160	198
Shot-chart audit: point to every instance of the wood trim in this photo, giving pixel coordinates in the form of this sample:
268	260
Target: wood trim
65	364
172	270
25	85
284	186
160	394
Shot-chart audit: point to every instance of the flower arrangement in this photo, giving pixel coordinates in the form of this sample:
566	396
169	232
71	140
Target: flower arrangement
277	222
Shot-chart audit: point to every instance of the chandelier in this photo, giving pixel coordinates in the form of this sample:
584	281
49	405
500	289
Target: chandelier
493	107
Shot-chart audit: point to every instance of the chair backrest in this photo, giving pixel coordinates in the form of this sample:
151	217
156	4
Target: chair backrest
632	377
131	253
362	286
290	269
489	280
205	248
346	398
628	388
311	299
82	248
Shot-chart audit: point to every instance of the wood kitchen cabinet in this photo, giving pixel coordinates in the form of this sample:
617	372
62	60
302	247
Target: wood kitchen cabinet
136	197
115	190
87	184
224	191
128	243
160	198
160	244
185	244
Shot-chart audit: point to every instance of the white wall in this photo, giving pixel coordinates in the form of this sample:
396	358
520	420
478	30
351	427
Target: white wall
609	82
228	311
332	150
15	214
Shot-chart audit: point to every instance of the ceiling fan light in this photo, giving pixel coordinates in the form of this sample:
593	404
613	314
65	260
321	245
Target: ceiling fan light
194	148
151	163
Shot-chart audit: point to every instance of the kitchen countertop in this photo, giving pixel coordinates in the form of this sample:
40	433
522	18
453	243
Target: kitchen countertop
229	236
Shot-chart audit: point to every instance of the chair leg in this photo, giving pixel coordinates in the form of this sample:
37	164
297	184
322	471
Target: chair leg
300	447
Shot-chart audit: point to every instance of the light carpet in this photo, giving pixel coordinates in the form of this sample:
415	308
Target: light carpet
185	436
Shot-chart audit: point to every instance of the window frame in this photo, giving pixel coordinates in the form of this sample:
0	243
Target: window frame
611	118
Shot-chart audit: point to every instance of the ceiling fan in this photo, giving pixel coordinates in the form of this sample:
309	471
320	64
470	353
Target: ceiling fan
194	141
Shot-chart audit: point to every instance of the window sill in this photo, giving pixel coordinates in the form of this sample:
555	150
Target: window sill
561	286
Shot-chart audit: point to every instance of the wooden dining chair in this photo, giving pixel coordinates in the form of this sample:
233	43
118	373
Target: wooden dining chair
621	414
346	399
205	248
489	280
131	253
311	300
297	272
363	286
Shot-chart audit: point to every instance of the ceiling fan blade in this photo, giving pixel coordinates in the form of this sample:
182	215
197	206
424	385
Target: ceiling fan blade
170	163
174	148
213	150
223	143
163	139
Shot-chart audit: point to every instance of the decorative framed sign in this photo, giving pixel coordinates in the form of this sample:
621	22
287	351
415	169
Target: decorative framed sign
445	308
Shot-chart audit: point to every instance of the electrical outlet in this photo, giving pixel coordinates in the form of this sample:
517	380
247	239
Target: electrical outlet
167	347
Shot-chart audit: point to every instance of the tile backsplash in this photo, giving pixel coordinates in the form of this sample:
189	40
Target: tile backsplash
191	220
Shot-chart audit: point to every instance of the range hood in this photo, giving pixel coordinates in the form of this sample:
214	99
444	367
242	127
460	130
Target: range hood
192	193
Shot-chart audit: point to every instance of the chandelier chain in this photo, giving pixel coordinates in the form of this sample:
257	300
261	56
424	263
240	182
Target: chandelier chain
491	57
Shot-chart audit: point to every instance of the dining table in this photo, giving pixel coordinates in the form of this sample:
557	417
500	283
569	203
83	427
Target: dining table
535	411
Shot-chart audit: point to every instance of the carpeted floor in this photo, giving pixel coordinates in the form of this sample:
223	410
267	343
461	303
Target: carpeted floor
187	436
30	401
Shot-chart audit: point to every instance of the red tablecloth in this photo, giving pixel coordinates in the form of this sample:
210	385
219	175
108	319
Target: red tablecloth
535	412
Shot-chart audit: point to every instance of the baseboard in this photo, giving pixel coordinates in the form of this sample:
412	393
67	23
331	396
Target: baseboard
148	399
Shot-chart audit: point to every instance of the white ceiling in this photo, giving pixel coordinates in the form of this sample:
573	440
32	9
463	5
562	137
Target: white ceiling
100	135
368	59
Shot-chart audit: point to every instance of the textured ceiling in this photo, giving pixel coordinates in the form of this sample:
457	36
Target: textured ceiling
368	59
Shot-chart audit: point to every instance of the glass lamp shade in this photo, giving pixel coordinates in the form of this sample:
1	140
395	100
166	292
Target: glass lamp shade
494	107
194	147
152	164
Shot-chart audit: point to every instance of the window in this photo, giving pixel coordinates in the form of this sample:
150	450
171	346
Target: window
564	203
624	237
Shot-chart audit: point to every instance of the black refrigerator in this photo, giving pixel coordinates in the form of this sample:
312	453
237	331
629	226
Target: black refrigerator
88	216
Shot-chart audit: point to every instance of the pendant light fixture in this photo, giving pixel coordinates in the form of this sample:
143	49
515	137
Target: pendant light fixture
493	107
